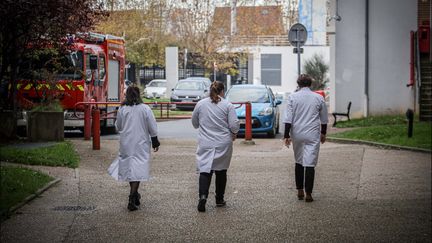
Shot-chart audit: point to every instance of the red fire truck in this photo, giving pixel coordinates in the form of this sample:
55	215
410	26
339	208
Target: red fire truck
100	61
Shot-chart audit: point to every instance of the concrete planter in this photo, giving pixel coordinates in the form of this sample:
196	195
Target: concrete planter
45	126
6	125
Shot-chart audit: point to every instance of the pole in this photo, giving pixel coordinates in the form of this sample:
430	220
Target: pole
185	62
214	71
410	117
87	122
248	122
96	129
298	53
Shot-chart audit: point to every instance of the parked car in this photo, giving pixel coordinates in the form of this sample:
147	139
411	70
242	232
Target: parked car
207	81
188	90
265	110
155	89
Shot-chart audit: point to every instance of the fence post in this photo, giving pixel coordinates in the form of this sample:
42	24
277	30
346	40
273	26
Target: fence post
96	129
248	124
410	117
87	122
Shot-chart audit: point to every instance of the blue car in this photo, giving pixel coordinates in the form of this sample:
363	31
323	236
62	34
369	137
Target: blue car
265	110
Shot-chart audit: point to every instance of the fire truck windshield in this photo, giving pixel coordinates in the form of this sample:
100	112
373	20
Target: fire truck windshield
71	66
45	64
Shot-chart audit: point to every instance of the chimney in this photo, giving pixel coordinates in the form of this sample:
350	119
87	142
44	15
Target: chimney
233	17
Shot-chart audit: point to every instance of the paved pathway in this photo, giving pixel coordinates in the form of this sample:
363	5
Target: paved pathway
362	194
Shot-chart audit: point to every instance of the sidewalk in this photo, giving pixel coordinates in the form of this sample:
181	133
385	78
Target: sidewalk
361	194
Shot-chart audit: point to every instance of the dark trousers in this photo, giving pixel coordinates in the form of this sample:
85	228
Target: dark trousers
205	180
304	177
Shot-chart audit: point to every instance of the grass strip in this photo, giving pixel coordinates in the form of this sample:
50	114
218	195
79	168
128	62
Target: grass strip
60	154
17	184
373	121
393	134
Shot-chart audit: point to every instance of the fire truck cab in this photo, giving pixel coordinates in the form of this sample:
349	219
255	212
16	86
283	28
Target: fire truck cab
100	61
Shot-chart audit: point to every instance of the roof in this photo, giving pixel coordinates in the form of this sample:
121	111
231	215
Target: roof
254	86
251	21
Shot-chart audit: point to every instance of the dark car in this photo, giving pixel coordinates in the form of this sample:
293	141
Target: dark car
189	91
265	110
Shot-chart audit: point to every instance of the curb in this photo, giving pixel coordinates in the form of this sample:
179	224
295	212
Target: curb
29	198
381	145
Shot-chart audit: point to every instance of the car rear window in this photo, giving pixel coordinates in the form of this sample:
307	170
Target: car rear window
190	85
254	95
157	84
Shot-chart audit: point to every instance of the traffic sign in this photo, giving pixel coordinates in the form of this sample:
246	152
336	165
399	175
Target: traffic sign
297	35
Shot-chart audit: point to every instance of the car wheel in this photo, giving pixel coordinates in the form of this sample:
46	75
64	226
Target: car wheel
272	133
277	128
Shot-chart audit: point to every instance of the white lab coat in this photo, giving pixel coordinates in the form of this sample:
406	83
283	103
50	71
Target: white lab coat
306	111
216	123
135	124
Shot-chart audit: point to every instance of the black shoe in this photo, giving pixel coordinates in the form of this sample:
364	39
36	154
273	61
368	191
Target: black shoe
220	203
309	198
137	199
201	204
132	205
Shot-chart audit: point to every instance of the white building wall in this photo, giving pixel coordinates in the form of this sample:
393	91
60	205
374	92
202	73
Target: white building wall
288	65
390	22
171	68
349	58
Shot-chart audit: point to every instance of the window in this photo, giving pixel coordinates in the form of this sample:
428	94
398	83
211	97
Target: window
271	69
101	68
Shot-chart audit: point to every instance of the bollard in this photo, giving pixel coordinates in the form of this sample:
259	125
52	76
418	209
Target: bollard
410	117
248	124
96	129
87	122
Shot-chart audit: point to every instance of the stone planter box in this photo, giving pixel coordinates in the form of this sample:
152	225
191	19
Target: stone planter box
45	126
6	125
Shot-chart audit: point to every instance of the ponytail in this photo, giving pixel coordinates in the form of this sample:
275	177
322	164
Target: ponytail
215	90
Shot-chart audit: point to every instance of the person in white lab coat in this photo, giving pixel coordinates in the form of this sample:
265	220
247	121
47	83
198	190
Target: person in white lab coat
138	131
305	126
218	125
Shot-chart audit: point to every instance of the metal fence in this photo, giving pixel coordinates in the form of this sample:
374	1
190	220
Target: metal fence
147	74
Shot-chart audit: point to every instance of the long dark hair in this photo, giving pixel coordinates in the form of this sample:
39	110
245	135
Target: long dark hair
133	96
215	90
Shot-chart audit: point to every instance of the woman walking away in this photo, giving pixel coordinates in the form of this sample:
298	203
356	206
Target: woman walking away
305	126
138	130
218	125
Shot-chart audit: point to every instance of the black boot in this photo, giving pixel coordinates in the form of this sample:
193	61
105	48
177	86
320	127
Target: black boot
221	180
201	203
137	199
220	202
132	202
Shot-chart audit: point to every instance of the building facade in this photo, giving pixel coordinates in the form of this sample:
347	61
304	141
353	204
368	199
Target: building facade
370	56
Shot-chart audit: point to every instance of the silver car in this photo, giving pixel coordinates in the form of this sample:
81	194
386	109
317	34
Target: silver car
188	90
206	81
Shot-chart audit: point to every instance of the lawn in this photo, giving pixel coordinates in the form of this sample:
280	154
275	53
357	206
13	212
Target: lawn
372	121
17	184
389	130
157	112
60	154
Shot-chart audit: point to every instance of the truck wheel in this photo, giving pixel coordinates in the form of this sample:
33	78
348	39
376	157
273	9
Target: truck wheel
108	130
